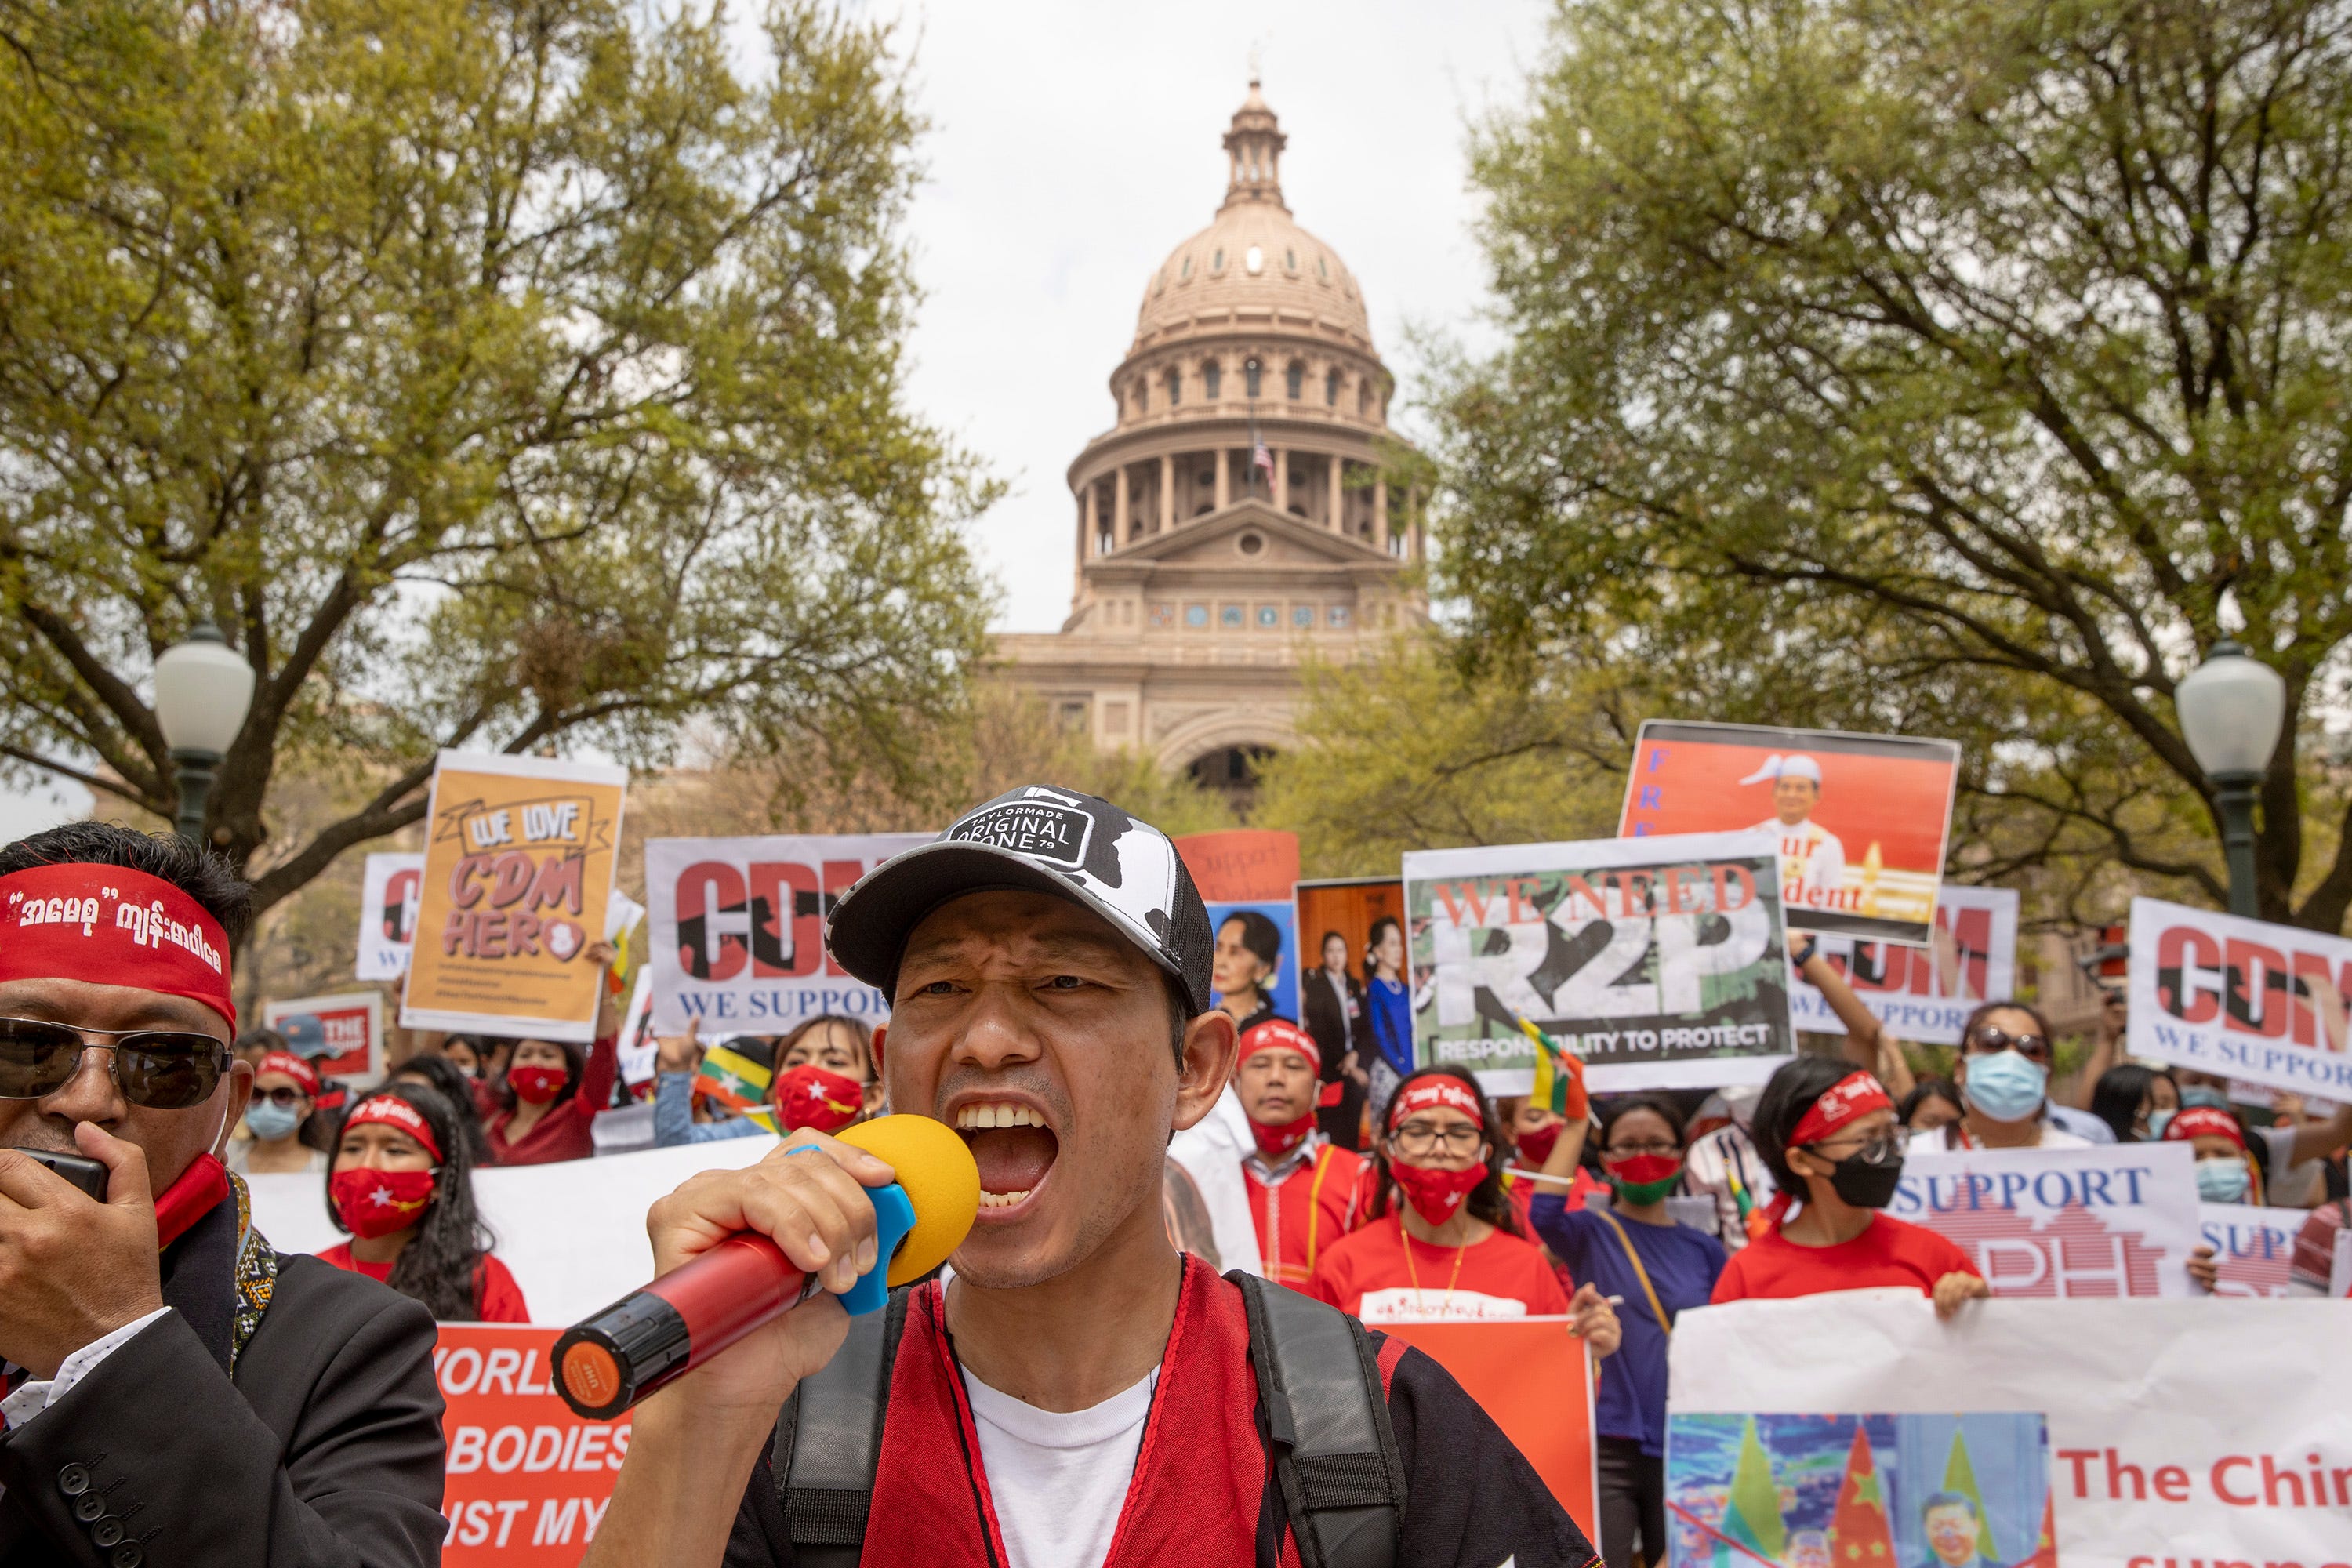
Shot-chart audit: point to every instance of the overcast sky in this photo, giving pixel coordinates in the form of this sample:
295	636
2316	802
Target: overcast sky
1076	143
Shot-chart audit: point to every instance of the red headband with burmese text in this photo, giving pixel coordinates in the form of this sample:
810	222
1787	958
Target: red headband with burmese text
393	1112
1281	1035
2204	1122
1842	1104
1440	1088
112	926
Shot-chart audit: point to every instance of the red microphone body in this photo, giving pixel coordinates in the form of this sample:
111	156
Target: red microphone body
610	1361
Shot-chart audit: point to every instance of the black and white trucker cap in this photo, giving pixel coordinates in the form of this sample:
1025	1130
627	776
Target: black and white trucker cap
1076	846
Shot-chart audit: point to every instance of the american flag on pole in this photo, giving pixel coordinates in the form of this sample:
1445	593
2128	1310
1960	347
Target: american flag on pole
1261	458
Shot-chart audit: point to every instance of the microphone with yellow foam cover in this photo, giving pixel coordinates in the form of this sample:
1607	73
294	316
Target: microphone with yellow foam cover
612	1359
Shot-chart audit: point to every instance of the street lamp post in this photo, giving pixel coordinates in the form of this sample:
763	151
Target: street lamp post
202	692
2231	708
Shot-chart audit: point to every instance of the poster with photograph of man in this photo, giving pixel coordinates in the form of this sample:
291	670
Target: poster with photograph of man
1862	820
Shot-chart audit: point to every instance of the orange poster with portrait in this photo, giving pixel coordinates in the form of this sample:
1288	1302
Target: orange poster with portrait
519	860
1862	820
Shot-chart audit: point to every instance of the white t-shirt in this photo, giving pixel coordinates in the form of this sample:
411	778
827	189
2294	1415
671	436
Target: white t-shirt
1937	1139
1058	1479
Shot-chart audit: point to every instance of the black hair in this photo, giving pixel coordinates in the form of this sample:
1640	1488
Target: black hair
1328	938
439	1265
862	1032
1259	934
204	876
2115	1098
1616	1110
450	1082
1987	1009
1373	941
575	1062
1794	1086
262	1038
472	1043
1934	1500
1926	1089
1488	1200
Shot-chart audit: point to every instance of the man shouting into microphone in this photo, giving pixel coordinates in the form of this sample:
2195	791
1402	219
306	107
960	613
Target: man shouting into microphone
173	1391
1080	1392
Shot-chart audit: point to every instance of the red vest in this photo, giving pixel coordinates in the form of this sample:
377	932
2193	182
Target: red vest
1199	1473
1306	1211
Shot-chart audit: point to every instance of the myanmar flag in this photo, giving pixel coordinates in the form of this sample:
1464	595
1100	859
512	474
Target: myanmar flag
1961	1476
1553	1075
1751	1514
738	1083
1859	1535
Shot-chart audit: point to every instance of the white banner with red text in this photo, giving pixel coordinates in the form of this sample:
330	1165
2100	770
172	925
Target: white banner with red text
1924	994
737	929
2118	1219
2242	998
2094	1434
2252	1247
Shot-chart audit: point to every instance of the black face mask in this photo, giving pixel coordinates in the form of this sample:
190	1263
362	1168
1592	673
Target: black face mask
1866	1185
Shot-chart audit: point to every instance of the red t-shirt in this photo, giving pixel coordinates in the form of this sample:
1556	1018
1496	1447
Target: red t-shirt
1890	1252
1382	1274
496	1298
562	1133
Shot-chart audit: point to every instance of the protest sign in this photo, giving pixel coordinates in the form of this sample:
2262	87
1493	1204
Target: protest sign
2116	1219
388	894
1336	920
1250	865
340	1037
1253	942
2254	1248
1858	1428
2339	1274
518	861
573	1233
639	1046
2244	998
1661	961
1925	994
528	1481
1533	1378
737	929
1860	822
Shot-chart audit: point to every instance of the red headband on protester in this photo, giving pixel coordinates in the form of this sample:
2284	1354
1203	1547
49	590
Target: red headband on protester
293	1067
1845	1102
2204	1122
1281	1035
393	1112
112	926
1439	1089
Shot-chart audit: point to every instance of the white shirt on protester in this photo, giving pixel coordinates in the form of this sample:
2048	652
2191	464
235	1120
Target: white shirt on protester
1953	1136
1058	1479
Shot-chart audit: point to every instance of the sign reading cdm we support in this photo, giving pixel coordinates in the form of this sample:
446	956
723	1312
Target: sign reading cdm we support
2242	998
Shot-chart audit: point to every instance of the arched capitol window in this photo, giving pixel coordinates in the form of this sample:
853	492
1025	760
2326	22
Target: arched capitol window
1250	371
1175	387
1211	375
1293	380
1331	390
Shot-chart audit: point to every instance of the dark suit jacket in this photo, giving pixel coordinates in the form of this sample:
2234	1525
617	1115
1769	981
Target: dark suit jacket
325	1450
1338	1030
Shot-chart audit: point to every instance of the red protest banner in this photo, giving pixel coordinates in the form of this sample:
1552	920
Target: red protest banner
1534	1378
528	1481
1242	865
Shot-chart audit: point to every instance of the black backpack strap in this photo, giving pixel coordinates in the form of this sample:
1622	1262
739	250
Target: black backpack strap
1334	1454
829	1441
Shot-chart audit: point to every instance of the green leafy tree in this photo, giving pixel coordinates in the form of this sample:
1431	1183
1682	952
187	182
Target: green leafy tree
1948	365
500	375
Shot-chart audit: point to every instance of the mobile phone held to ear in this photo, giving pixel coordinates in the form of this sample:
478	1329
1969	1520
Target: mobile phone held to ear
80	1170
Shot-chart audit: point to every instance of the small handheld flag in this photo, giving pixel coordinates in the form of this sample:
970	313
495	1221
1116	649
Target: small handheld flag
1559	1074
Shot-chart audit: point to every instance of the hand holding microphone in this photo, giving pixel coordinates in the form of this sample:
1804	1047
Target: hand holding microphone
736	1251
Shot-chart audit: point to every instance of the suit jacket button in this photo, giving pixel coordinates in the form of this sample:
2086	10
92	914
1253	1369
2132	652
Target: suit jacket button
126	1555
88	1506
74	1480
106	1533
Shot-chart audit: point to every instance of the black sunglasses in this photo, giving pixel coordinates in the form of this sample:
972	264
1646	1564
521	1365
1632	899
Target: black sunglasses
284	1099
162	1069
1990	1041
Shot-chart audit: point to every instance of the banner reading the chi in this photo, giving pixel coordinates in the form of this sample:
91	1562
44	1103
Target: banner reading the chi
519	862
2254	1248
2116	1219
1925	994
737	929
1860	822
527	1481
1660	960
2244	998
340	1037
1857	1428
389	891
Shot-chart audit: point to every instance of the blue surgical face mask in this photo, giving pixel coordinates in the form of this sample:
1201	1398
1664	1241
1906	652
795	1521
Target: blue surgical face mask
2157	1122
2223	1180
270	1122
2204	1094
2005	1086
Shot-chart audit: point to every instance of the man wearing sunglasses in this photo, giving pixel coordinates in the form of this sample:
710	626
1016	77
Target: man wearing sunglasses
2004	1078
173	1389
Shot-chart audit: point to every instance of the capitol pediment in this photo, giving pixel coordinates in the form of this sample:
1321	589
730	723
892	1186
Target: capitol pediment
1222	540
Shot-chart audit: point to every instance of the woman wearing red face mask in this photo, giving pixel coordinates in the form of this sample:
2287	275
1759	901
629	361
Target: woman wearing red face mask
403	1186
825	1080
551	1090
1440	1240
